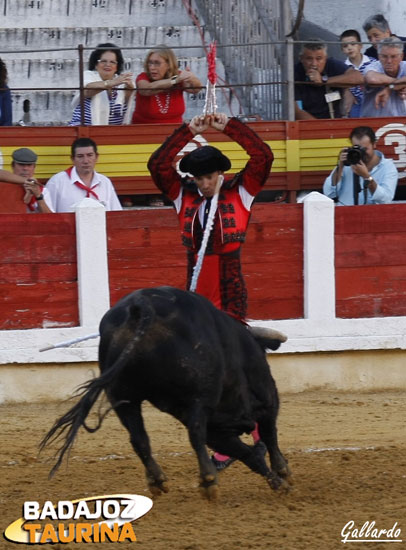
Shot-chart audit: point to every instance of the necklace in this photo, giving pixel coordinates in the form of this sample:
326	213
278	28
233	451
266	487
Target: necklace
163	108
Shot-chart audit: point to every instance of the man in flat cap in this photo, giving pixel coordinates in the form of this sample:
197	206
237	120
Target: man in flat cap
24	162
13	197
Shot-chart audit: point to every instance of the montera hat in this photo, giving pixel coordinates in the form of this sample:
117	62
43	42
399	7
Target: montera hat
204	160
24	156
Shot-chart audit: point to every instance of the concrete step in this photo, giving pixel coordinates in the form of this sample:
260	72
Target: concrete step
134	25
115	13
20	40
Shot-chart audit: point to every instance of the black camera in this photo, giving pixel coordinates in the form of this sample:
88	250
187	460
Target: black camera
355	154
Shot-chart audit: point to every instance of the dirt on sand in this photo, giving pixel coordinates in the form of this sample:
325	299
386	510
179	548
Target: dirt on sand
347	453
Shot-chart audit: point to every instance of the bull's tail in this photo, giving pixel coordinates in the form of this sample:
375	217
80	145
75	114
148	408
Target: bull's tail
69	424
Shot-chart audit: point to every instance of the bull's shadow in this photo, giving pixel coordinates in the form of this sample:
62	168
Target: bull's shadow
174	349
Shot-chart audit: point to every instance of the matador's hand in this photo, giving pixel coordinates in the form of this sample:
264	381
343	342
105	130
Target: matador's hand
199	124
218	121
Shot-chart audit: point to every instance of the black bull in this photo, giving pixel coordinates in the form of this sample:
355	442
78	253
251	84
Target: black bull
176	350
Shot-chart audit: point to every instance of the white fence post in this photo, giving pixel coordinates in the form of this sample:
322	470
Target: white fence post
319	272
93	279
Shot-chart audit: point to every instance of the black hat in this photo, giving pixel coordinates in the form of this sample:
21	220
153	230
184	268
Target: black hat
204	160
24	156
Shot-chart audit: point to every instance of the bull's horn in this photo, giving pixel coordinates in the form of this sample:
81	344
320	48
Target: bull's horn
262	332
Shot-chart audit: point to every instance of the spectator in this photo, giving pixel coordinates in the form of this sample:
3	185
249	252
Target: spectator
160	89
24	162
351	46
69	187
13	200
221	279
385	90
108	91
6	118
323	75
377	28
372	180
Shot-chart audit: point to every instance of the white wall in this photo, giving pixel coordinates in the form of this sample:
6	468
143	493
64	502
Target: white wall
395	13
337	16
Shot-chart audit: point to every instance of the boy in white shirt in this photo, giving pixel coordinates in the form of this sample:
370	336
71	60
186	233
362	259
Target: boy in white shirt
351	45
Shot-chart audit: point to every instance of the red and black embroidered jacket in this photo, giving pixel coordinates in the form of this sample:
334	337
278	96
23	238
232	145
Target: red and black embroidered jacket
221	279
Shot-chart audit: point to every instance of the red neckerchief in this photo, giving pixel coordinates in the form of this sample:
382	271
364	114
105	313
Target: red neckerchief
89	190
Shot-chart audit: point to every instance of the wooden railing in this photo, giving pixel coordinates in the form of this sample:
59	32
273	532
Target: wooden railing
305	151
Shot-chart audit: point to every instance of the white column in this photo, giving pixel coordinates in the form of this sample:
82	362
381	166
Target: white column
93	279
319	273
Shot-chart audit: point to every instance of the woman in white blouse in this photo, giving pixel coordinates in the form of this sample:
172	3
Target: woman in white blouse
109	93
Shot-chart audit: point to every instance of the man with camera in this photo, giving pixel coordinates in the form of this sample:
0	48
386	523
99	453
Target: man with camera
362	175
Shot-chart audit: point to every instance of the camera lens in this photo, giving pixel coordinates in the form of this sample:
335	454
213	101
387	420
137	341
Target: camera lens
354	155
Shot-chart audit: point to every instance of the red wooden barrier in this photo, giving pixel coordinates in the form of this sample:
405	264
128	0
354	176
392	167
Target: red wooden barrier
38	271
38	274
370	245
145	250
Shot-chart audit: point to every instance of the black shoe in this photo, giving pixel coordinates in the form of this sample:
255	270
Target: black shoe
222	464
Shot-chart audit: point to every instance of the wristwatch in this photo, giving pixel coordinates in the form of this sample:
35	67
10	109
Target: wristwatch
391	86
324	78
369	179
40	197
174	79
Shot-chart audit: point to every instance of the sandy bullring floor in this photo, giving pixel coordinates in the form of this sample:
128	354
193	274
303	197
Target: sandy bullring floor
347	453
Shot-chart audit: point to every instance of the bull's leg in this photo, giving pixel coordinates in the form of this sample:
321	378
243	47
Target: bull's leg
196	424
269	435
267	395
251	456
130	415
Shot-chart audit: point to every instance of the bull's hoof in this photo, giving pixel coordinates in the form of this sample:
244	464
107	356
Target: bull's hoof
210	491
157	488
208	486
285	472
277	483
157	485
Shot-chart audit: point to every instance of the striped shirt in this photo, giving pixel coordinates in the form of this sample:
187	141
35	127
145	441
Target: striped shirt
358	91
117	112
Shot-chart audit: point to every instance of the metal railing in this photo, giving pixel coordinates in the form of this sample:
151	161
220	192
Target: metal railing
252	45
256	81
255	86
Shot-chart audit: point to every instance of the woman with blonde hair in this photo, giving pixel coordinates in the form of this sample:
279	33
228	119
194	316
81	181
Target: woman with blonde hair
160	88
